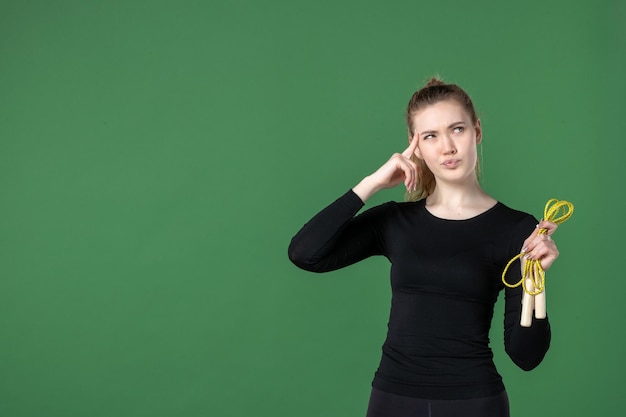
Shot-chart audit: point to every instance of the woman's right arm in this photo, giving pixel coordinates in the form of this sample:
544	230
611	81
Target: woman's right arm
335	238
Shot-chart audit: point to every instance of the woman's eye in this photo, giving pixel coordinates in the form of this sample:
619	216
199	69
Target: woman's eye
459	129
429	136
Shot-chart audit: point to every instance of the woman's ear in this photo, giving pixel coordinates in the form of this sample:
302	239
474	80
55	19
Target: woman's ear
479	132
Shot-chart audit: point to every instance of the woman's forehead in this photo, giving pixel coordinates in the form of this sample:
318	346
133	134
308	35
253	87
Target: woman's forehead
441	113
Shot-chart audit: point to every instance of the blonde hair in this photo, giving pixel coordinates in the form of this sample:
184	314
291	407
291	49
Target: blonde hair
434	91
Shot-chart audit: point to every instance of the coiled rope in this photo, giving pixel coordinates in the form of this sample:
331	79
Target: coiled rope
555	211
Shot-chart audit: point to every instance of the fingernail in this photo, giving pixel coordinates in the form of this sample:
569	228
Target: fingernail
524	249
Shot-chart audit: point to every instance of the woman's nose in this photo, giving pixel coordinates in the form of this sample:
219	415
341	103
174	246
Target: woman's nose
448	146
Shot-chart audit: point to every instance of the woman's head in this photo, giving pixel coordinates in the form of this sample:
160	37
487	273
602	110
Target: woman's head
435	91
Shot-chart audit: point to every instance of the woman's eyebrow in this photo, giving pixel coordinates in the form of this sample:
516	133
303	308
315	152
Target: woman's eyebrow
460	122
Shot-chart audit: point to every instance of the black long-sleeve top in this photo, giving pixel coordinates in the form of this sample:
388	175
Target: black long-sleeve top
445	279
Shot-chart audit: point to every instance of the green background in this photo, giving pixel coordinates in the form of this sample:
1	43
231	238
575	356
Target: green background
157	156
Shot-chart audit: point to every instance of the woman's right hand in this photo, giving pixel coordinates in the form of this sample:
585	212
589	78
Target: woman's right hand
397	169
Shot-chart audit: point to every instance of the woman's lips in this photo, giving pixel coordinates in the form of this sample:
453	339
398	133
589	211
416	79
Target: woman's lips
451	163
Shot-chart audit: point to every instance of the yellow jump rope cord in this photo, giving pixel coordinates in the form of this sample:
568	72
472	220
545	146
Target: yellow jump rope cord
556	211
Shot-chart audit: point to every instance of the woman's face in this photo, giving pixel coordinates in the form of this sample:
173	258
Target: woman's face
447	140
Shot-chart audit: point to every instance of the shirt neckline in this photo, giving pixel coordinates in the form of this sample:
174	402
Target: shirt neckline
484	213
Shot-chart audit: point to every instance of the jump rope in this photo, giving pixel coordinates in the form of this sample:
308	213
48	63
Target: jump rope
533	276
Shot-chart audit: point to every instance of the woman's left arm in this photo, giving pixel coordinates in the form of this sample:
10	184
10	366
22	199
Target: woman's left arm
527	346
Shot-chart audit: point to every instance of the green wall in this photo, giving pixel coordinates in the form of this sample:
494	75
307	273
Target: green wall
157	156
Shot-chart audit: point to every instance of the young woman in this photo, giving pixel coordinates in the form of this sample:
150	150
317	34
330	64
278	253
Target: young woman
448	245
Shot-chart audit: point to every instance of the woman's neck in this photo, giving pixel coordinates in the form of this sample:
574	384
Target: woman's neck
459	201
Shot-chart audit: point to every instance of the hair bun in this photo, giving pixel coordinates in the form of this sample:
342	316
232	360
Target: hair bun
434	81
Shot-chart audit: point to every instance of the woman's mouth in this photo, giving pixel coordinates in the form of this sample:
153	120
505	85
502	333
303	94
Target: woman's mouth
451	163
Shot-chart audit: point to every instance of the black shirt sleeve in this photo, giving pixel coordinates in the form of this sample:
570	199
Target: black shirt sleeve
335	238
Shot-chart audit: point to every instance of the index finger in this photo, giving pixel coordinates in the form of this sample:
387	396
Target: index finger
411	149
548	225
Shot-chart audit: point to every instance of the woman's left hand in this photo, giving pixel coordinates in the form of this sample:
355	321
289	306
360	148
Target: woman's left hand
541	246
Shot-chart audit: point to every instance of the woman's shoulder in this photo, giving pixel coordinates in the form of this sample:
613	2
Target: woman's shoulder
403	206
512	213
514	219
390	210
